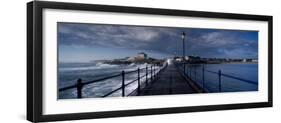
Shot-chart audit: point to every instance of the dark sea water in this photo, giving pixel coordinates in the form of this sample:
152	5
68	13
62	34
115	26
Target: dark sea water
247	71
70	72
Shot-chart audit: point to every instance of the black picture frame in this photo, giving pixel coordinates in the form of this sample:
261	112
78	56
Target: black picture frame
35	69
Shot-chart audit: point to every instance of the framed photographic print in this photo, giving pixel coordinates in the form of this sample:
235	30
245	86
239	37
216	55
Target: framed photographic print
95	61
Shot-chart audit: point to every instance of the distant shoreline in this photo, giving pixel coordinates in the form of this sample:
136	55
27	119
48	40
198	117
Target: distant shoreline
232	63
189	63
241	63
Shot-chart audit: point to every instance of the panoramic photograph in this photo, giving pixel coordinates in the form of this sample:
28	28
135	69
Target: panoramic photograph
104	60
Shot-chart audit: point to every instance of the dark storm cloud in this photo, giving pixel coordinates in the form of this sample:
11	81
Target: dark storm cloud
202	42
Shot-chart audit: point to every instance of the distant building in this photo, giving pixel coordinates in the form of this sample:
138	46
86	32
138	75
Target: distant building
255	60
193	59
141	56
250	60
178	59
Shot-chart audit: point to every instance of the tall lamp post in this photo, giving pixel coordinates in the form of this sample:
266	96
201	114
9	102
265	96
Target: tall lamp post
183	46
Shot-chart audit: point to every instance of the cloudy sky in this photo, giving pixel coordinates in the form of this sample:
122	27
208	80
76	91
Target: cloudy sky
86	42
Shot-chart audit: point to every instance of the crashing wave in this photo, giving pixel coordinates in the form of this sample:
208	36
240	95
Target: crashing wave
96	66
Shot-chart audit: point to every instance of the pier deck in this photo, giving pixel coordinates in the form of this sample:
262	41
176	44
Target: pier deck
169	81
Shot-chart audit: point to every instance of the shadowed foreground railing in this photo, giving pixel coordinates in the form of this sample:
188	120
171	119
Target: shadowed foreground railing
192	73
153	75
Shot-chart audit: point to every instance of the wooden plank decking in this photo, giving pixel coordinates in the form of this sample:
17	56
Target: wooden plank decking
170	81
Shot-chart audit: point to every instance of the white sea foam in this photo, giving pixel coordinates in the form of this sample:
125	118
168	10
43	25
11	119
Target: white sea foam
94	66
102	88
102	65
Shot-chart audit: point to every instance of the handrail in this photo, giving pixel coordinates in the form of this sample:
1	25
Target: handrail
233	77
130	83
159	70
89	82
141	77
66	88
121	87
211	72
97	80
219	73
79	85
134	70
245	80
124	85
112	92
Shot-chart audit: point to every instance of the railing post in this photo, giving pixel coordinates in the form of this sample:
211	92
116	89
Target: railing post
219	74
151	73
79	88
146	81
194	74
189	72
156	74
203	79
154	71
184	69
123	83
138	80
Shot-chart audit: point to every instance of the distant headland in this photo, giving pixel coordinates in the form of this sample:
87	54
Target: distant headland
140	58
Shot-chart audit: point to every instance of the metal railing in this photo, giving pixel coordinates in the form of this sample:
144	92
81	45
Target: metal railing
153	75
219	73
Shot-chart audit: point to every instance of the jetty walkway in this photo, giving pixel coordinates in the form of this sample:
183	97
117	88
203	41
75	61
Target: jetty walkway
169	81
